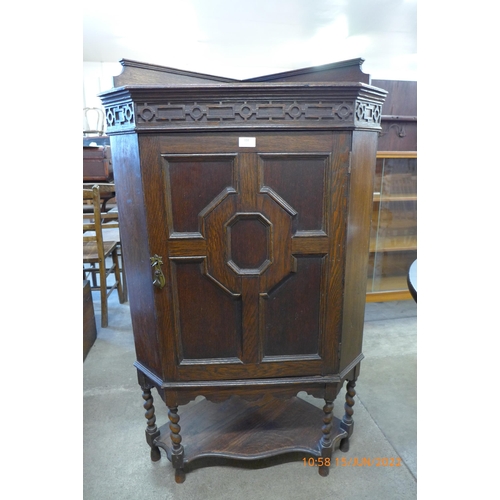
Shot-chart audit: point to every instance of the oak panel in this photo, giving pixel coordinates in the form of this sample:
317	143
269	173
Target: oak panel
209	319
299	180
249	241
194	182
292	311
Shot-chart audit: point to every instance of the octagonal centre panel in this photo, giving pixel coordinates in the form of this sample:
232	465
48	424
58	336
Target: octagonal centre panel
249	243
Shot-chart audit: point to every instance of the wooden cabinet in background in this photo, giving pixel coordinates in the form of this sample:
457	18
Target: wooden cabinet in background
399	116
97	165
393	242
393	238
89	324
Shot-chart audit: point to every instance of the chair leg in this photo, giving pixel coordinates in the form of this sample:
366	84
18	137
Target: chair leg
94	276
124	276
104	294
124	284
118	277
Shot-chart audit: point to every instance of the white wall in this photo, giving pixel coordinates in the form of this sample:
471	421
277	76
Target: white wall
97	77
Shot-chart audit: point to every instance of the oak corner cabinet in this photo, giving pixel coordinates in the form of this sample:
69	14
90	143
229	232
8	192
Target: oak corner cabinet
245	223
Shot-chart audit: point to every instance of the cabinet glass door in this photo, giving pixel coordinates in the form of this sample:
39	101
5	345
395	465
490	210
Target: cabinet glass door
393	240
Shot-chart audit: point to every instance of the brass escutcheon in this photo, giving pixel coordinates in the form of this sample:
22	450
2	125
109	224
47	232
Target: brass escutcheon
156	263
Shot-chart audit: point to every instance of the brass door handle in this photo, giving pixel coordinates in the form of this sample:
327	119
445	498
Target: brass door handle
156	263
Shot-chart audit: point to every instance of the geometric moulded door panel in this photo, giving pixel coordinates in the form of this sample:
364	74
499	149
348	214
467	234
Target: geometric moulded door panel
248	264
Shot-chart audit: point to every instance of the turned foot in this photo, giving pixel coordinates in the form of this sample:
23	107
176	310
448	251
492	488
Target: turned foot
152	432
180	476
347	423
344	445
323	470
155	454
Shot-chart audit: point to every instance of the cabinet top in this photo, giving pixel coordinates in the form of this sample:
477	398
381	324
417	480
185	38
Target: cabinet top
323	105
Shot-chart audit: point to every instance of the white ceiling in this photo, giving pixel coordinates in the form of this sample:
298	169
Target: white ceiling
249	38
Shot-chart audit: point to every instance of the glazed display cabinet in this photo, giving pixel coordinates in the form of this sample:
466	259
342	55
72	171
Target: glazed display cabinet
245	214
393	239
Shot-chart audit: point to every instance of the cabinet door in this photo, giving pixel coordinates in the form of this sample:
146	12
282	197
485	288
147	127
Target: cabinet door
252	240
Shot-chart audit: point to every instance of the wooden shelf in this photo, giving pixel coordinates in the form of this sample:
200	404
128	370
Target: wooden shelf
389	295
394	244
387	284
389	288
396	154
379	198
237	430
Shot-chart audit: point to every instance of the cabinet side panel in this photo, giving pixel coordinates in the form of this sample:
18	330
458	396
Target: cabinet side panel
337	209
133	234
364	149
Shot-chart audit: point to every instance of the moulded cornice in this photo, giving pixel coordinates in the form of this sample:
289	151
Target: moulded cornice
256	105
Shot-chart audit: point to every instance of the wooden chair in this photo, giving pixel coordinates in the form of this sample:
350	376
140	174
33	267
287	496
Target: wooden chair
100	257
114	235
110	227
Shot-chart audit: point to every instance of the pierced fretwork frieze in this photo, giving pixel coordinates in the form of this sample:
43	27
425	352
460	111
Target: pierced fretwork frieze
120	116
241	112
369	113
147	115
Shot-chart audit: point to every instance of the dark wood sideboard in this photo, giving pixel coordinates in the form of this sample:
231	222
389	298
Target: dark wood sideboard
245	222
97	164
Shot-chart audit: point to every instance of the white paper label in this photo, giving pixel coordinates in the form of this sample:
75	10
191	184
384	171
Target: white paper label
247	142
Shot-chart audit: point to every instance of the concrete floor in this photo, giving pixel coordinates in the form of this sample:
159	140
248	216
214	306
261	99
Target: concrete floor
116	463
